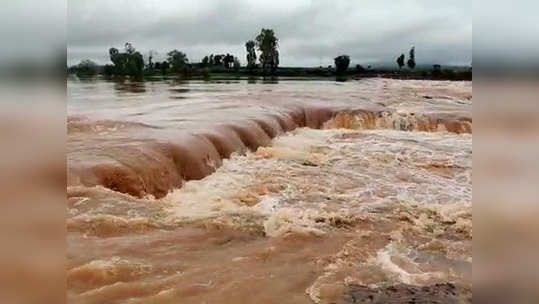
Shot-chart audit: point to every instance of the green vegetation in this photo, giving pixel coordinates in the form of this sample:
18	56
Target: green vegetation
86	68
131	63
411	61
128	63
178	61
341	64
251	55
267	44
226	61
400	61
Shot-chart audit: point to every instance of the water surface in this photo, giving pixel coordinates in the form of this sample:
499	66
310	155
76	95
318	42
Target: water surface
287	192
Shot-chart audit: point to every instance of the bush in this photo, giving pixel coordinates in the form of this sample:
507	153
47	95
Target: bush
86	68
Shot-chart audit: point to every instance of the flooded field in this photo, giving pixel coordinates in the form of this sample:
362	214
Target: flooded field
288	192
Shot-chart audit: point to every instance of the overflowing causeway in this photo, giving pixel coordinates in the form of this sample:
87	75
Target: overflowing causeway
296	192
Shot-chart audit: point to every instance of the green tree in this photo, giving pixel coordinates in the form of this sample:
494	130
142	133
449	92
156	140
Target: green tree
108	70
165	66
86	68
129	49
205	61
130	62
400	61
177	60
237	64
360	68
228	60
218	59
135	65
134	61
151	55
341	63
118	61
251	54
411	61
267	44
113	52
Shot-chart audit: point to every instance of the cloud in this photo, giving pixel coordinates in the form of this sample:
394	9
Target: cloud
311	32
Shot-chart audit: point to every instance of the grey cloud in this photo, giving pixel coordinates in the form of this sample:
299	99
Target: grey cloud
311	33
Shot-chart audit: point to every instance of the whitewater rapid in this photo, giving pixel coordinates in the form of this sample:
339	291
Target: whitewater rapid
311	204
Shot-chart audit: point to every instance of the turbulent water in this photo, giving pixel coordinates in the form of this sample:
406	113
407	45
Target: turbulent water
278	192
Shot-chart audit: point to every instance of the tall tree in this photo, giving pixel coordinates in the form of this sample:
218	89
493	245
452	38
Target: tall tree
165	66
205	61
228	61
400	61
135	65
151	55
129	49
218	59
251	54
267	43
118	61
113	52
108	70
177	60
237	64
134	61
341	63
411	61
130	62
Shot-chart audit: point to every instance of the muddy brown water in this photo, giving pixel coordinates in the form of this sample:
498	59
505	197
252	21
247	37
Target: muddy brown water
138	138
287	192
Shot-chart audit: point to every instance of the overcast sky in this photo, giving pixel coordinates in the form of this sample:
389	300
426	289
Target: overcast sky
310	32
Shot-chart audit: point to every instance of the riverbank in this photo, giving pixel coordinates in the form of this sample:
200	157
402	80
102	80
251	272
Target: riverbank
310	73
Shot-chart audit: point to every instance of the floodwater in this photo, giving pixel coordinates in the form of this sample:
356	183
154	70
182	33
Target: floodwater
269	192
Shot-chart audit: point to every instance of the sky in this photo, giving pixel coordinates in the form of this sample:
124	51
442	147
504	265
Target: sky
310	32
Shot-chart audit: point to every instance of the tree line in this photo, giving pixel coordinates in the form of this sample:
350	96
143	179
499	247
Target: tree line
130	62
262	57
226	61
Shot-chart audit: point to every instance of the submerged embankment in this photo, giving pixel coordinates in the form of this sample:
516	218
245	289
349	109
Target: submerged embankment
294	199
158	152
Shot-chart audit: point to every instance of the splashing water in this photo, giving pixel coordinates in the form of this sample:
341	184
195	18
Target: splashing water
293	199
